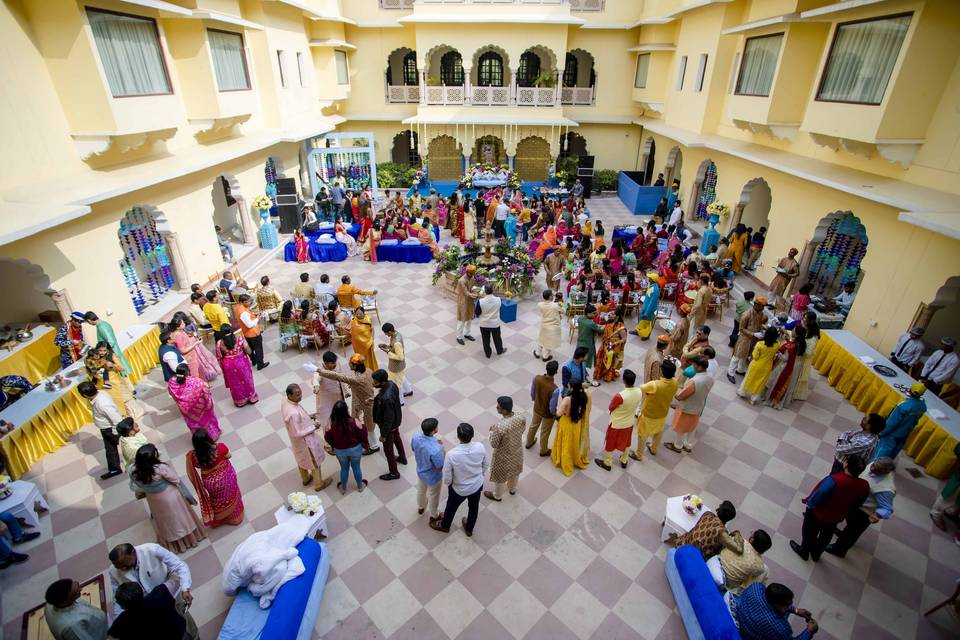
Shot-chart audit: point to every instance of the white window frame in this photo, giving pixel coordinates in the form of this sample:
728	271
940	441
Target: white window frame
701	72
303	82
743	61
346	67
163	55
734	73
281	63
681	72
646	72
243	53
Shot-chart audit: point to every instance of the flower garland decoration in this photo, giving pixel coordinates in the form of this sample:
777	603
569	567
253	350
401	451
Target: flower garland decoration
718	209
512	179
5	489
262	202
513	275
692	504
299	502
418	177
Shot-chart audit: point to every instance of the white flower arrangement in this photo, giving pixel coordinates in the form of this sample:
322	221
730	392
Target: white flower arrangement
262	202
718	209
692	504
5	488
299	502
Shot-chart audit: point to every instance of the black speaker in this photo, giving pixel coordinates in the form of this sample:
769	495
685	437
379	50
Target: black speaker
585	174
287	201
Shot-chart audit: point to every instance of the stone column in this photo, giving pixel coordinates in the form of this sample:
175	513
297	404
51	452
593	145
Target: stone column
62	300
175	253
422	74
513	87
510	160
557	81
467	86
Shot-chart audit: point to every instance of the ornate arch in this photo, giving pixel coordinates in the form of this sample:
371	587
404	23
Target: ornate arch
673	166
949	293
746	195
828	267
444	160
34	288
533	159
439	49
496	49
243	211
583	56
648	159
404	151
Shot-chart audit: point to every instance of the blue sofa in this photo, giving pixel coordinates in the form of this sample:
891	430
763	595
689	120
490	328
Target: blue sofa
701	607
295	609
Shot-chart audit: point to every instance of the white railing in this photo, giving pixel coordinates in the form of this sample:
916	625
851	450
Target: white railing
445	95
491	96
491	1
577	95
586	5
403	94
536	96
396	4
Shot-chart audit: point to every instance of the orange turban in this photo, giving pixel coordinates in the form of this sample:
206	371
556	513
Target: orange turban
356	359
685	308
761	300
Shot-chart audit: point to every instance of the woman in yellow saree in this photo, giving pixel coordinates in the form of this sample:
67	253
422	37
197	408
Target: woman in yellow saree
571	447
739	240
361	335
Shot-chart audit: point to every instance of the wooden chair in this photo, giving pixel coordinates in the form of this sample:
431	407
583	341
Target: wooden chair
715	306
572	333
342	339
369	303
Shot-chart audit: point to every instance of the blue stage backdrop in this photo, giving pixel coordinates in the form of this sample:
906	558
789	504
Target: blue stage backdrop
640	199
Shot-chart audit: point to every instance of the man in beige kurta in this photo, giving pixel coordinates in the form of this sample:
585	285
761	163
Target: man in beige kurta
653	358
553	266
506	439
787	269
396	360
549	338
360	381
304	439
466	300
701	303
751	322
680	333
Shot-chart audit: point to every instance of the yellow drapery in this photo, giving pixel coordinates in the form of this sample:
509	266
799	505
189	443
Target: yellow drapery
35	361
53	426
929	445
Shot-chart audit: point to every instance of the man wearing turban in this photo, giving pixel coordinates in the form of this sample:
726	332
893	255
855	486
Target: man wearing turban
360	380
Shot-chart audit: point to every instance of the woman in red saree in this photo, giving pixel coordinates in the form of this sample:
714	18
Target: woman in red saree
610	352
300	242
785	369
194	400
213	476
233	353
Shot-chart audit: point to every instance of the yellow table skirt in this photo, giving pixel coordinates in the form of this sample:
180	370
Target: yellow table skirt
54	425
929	445
35	361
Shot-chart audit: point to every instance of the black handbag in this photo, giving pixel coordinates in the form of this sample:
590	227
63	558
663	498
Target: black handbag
476	308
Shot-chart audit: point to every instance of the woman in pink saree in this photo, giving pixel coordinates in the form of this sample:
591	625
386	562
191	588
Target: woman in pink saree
201	362
194	400
213	476
233	353
300	244
427	238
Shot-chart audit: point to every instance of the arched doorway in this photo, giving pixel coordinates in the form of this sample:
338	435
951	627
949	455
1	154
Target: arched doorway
403	152
32	300
833	256
533	159
753	208
230	211
941	316
572	145
672	168
146	267
490	150
443	160
648	159
704	190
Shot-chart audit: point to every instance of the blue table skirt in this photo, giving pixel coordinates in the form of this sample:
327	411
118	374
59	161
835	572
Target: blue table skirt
353	230
318	252
628	237
404	253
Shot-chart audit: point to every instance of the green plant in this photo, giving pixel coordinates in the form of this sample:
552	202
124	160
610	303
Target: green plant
433	81
567	169
545	79
391	175
605	179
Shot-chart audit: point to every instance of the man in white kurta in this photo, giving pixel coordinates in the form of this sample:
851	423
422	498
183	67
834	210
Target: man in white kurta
328	390
549	339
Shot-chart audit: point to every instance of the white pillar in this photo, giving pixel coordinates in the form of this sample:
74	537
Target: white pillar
61	298
175	253
422	74
513	87
557	79
467	86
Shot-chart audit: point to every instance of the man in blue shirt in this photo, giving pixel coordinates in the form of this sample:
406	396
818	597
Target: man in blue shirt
762	613
429	454
900	423
575	371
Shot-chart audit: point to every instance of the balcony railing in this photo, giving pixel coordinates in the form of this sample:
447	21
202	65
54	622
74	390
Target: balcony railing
403	94
492	1
586	5
491	96
445	95
577	95
396	4
536	96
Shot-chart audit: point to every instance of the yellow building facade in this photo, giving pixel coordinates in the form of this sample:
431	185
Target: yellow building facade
829	123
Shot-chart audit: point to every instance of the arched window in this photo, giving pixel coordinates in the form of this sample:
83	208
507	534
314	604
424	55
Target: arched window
593	75
410	68
529	69
451	69
570	70
491	70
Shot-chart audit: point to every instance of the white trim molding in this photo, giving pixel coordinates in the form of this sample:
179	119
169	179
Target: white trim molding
95	143
780	130
651	48
200	126
333	44
900	151
759	24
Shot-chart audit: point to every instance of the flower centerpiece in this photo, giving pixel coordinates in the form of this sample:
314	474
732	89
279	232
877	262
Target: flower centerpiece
692	504
418	177
490	175
299	502
512	276
719	209
5	489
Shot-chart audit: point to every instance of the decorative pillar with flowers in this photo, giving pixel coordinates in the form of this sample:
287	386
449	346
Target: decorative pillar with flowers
716	211
267	233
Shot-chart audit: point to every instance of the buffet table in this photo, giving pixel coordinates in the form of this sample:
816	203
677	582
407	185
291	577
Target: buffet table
931	444
627	236
35	359
46	420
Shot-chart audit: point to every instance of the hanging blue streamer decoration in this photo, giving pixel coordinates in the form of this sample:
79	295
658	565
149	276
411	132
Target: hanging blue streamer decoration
708	192
839	255
145	259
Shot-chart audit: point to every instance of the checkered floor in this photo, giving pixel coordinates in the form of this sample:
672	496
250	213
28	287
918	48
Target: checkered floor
564	558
